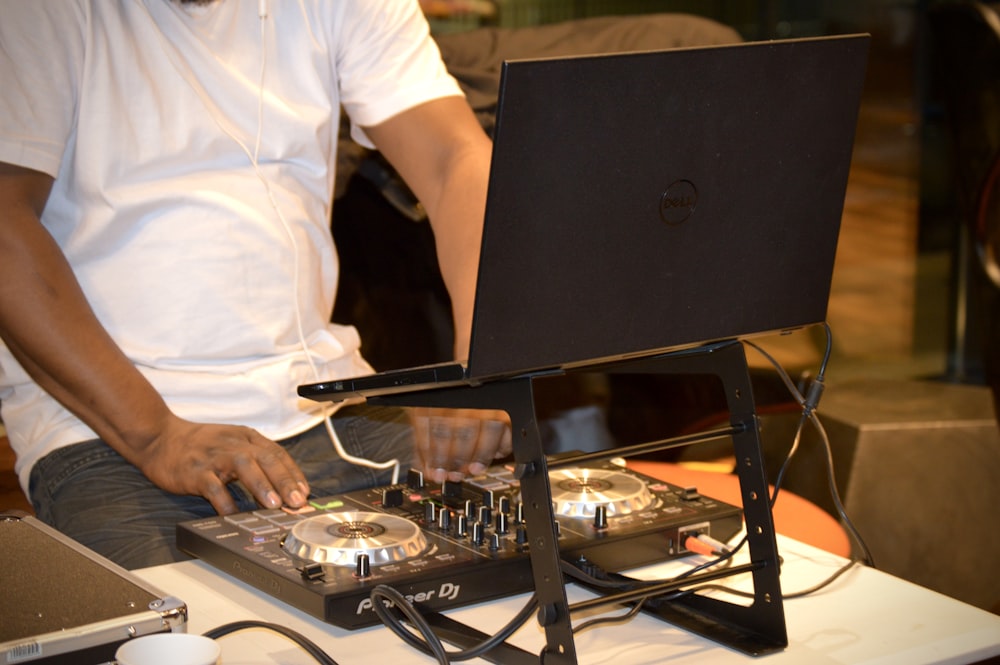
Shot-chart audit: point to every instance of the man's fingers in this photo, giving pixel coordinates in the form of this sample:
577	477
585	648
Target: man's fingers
451	443
202	459
421	436
281	471
266	469
214	490
495	443
463	441
254	479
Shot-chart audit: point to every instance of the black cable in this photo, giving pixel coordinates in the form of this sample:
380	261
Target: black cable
825	583
431	642
725	557
786	596
866	555
617	581
307	645
809	404
623	582
800	400
606	581
501	635
621	618
788	459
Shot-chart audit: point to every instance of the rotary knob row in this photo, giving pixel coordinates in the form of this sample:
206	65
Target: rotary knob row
443	519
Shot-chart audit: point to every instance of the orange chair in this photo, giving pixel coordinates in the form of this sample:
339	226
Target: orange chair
794	516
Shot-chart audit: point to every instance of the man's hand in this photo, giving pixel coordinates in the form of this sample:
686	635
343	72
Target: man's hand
197	459
47	323
454	443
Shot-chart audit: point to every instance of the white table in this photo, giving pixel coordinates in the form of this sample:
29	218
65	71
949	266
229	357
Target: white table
864	617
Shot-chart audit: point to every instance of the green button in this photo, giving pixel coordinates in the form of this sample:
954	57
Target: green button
329	504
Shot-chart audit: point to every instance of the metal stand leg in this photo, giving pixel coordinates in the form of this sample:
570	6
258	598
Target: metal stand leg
756	629
516	396
760	627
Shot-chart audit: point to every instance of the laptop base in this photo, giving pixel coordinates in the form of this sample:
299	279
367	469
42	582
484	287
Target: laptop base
755	629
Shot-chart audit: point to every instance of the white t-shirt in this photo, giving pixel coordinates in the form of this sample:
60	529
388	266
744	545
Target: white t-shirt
209	273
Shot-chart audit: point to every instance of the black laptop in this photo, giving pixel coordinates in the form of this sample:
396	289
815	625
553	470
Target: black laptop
645	202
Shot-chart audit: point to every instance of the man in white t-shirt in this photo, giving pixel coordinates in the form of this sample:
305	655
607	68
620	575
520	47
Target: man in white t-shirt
166	267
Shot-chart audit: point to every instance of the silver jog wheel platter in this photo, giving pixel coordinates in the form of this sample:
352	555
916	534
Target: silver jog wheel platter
578	492
338	538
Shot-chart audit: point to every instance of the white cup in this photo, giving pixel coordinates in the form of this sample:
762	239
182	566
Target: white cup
169	649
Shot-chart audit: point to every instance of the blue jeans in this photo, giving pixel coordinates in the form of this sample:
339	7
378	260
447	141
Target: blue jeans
90	493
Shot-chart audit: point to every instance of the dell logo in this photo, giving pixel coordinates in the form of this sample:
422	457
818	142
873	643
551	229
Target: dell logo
678	202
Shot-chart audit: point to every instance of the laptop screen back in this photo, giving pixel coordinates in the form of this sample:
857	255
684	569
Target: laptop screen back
650	201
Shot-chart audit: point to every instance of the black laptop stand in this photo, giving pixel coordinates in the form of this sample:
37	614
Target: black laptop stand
755	629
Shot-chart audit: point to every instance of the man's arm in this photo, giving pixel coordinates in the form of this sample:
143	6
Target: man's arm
48	325
442	153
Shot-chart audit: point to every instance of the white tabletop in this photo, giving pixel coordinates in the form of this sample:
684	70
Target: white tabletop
864	617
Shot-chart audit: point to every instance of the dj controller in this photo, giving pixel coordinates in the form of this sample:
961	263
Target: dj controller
453	544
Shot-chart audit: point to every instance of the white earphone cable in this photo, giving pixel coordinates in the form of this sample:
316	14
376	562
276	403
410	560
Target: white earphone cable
327	411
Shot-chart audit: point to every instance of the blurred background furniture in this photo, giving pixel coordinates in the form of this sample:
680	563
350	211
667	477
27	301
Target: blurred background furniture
965	79
916	464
